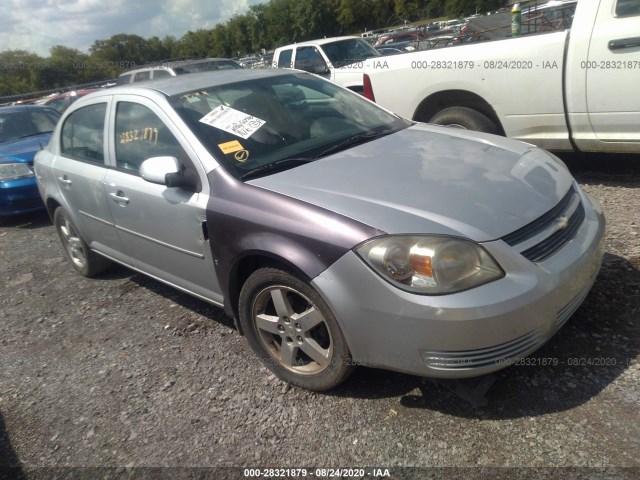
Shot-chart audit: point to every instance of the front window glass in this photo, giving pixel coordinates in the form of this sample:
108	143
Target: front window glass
309	59
141	135
627	8
272	123
345	52
83	134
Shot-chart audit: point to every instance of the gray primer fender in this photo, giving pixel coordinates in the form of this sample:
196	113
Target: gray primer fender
247	220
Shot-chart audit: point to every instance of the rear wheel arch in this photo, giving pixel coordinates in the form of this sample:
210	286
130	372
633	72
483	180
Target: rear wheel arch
437	102
51	205
84	260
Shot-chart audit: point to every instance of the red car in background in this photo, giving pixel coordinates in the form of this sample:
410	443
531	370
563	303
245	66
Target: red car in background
61	102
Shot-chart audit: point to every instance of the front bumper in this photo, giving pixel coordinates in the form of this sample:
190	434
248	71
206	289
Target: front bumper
19	196
469	333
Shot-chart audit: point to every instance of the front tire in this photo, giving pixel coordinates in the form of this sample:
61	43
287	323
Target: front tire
85	261
464	118
295	334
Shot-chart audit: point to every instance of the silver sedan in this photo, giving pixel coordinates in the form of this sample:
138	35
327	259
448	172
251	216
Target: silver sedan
335	233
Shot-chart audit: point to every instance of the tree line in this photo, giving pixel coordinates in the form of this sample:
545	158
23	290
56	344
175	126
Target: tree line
264	27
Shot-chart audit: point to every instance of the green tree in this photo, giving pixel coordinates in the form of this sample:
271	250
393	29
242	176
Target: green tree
458	8
120	52
353	15
64	67
219	43
18	71
279	16
433	9
194	44
406	10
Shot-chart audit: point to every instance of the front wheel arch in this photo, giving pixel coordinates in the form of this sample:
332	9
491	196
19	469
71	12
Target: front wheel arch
293	331
242	270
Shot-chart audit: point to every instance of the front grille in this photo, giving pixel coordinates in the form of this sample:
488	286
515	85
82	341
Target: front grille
484	357
559	239
550	232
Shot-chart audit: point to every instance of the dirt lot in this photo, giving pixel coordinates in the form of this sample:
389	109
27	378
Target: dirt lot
121	371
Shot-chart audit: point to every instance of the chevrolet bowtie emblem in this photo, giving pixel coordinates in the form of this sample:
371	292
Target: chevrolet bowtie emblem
562	223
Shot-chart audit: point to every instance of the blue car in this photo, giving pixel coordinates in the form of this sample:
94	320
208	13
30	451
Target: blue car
24	130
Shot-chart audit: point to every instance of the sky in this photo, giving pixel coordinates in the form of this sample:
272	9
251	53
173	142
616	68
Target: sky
38	25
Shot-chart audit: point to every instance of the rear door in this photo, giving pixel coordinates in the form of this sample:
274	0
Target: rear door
613	73
80	170
163	230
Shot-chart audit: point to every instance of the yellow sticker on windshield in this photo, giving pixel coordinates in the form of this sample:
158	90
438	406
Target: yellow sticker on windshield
230	147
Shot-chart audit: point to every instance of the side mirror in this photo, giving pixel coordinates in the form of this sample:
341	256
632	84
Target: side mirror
319	68
156	169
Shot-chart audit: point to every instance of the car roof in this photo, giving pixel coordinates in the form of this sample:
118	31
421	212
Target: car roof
194	81
173	64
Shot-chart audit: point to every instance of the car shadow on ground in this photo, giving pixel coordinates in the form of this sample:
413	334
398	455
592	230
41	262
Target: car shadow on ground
207	310
589	353
28	221
10	467
603	169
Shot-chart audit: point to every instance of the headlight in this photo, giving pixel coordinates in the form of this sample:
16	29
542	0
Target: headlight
430	265
14	170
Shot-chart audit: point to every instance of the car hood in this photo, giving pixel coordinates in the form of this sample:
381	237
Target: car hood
25	148
429	179
12	159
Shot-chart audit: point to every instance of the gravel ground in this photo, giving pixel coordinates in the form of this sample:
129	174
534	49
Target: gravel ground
121	371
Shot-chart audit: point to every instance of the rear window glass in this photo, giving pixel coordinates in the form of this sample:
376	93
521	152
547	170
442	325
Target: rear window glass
160	74
83	134
142	76
284	60
123	79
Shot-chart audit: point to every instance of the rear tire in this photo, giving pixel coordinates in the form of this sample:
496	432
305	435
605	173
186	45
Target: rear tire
85	261
464	118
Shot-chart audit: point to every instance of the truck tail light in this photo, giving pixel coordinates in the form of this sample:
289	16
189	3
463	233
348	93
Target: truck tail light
368	90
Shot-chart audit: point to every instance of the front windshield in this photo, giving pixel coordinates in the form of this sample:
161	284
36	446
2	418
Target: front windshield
259	126
26	123
344	52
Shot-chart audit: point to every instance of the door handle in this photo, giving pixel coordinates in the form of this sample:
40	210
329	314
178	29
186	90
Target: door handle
622	43
119	197
65	181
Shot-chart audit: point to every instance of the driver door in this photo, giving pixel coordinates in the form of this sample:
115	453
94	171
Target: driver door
163	230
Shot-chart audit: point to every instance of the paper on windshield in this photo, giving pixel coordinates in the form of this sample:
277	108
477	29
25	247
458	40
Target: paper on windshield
233	121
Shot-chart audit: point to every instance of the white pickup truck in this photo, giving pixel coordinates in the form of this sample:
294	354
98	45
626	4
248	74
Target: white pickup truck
339	59
577	89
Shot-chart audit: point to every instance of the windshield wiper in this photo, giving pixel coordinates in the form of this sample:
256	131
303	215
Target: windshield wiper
277	166
353	141
290	162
